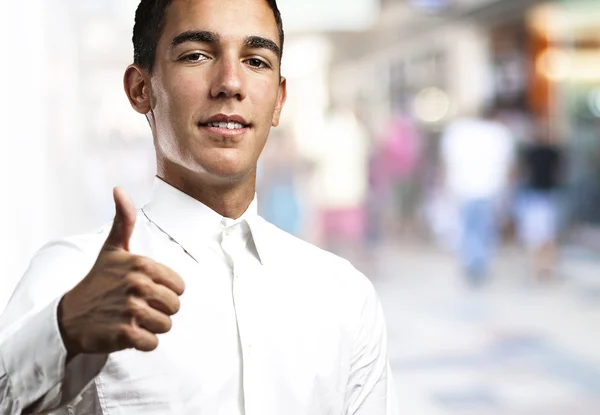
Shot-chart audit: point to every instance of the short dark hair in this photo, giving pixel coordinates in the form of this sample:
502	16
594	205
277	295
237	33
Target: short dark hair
149	24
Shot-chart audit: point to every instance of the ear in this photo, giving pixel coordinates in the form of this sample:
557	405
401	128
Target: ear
137	87
281	97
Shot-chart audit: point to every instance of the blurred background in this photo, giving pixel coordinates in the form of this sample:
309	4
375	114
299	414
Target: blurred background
449	148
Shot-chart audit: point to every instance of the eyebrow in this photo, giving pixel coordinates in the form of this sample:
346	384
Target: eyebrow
200	36
204	36
257	42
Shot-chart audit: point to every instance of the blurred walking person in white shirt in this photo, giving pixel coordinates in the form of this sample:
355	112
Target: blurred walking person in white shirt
477	155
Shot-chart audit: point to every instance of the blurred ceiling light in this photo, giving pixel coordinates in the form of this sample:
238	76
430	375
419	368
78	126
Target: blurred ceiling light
547	20
584	66
431	105
430	6
554	64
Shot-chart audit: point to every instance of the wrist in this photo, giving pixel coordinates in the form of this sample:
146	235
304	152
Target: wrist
70	345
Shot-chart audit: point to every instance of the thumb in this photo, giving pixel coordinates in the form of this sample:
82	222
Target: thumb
124	221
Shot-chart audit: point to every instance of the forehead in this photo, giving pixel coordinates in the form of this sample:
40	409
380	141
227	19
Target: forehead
227	18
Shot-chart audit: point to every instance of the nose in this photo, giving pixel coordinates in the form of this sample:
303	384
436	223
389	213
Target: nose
228	81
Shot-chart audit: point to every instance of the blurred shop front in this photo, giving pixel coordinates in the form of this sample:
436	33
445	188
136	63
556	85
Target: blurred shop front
574	73
434	61
438	60
545	62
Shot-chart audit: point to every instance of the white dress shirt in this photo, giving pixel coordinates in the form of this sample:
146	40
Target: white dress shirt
268	325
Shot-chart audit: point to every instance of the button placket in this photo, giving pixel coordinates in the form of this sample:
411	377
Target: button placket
243	311
235	256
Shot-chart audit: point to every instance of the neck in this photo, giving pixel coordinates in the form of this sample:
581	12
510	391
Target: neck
229	198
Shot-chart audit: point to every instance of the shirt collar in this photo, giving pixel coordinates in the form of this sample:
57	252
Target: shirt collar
191	223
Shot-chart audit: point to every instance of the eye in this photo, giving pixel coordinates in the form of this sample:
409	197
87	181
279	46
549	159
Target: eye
257	63
194	57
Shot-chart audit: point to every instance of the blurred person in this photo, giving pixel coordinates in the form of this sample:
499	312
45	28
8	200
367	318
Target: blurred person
342	172
377	196
393	169
278	172
538	202
250	319
477	158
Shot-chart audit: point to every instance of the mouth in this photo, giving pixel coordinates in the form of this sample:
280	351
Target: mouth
225	125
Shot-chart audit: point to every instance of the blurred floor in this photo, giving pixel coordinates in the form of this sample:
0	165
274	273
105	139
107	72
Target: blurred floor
515	347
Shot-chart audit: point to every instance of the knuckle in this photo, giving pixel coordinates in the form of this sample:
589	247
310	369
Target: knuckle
143	265
143	286
126	335
134	279
133	306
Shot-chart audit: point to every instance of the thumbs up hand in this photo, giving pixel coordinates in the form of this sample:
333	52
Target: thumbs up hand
124	301
124	222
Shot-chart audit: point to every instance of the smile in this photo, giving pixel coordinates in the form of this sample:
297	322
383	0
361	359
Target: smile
228	130
225	125
229	125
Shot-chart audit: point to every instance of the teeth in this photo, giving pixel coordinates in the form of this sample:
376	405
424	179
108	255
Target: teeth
229	125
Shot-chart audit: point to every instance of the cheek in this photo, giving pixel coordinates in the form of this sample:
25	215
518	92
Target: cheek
183	92
265	98
176	106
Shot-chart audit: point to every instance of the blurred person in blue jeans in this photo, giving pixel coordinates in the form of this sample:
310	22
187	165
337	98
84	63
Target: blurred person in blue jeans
279	172
538	210
477	156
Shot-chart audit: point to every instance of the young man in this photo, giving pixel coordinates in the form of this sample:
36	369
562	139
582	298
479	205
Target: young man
236	316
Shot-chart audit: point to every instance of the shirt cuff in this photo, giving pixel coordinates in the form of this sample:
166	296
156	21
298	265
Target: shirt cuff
34	357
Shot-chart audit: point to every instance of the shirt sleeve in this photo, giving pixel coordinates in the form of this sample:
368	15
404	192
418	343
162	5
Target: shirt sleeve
370	389
33	375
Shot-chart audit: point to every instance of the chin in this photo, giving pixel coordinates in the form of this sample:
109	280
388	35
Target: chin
227	171
223	163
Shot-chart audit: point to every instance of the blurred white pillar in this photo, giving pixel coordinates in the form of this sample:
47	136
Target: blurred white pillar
305	65
24	219
469	68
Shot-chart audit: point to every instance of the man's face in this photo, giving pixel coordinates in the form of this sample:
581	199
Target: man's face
216	86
